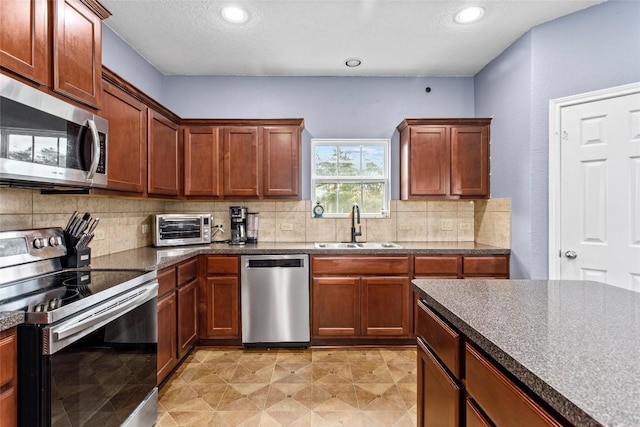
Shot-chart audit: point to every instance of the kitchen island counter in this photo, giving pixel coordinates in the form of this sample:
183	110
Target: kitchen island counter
574	344
149	258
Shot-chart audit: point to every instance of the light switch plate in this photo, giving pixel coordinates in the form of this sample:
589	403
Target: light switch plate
286	226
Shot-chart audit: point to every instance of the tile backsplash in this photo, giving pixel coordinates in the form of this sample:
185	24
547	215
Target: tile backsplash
127	222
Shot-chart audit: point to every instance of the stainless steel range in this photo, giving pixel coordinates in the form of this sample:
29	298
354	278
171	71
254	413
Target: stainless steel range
87	351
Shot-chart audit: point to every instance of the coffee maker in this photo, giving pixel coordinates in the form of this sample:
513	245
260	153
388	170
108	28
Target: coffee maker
238	216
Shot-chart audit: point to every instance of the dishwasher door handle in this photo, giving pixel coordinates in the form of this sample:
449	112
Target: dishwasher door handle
275	263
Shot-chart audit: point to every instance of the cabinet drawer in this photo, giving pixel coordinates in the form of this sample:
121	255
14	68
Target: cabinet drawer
501	399
222	265
361	265
475	417
166	281
8	356
485	266
187	271
443	340
442	266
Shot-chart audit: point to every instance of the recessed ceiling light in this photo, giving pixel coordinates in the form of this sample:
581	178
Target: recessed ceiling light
470	14
352	62
234	14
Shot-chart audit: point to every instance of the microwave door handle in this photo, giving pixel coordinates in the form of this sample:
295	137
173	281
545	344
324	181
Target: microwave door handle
96	149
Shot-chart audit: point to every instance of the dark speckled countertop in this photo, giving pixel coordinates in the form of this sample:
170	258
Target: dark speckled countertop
576	344
149	258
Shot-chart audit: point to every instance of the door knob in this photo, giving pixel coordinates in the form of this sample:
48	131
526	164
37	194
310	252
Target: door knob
571	254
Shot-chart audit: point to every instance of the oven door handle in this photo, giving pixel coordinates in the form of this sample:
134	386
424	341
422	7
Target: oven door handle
106	314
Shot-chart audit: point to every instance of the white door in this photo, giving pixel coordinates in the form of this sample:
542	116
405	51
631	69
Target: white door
600	191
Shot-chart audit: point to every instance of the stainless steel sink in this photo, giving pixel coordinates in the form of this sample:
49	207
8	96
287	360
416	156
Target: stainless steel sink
359	245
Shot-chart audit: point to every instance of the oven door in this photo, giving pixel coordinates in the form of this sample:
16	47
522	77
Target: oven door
104	372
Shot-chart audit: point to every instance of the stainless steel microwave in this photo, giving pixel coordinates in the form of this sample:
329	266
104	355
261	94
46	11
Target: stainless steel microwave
181	229
47	142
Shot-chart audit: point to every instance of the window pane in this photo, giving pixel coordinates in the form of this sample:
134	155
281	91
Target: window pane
373	200
348	194
327	195
373	160
20	148
326	160
349	160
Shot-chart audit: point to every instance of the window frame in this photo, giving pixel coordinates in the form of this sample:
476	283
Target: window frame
386	179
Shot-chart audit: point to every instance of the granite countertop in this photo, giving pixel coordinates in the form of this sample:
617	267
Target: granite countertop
575	344
9	319
148	258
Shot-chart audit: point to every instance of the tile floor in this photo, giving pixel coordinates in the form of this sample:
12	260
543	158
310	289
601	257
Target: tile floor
346	387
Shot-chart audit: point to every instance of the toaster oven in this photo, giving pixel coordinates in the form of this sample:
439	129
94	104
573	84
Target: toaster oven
181	229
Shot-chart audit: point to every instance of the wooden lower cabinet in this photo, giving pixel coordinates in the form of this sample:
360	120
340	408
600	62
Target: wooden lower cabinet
385	306
460	386
167	337
177	314
8	378
219	300
438	393
187	305
360	297
335	306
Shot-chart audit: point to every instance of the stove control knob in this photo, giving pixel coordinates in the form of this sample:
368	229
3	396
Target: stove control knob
39	243
55	241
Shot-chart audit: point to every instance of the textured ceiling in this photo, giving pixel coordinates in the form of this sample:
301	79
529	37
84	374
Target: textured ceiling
314	37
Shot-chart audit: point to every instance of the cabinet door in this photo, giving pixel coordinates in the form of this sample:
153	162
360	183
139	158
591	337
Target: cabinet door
8	367
438	393
187	317
335	306
202	161
240	165
127	154
77	52
470	161
385	306
281	161
167	343
219	308
428	163
164	155
23	38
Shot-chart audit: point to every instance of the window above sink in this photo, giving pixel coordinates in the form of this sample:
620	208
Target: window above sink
348	171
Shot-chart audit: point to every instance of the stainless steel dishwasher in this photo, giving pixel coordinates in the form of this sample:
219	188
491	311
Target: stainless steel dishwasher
274	294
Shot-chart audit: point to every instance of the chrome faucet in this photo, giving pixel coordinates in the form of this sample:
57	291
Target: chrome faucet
355	210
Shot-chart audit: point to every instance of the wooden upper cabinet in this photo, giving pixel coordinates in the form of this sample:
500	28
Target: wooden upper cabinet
164	156
23	38
281	161
444	158
470	160
127	155
428	159
77	50
202	161
241	161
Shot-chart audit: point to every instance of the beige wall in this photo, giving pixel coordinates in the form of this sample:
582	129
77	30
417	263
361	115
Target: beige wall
122	219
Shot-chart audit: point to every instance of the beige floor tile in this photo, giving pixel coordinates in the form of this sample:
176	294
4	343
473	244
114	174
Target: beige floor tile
292	387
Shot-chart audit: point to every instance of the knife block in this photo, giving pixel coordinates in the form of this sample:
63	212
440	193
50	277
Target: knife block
77	258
